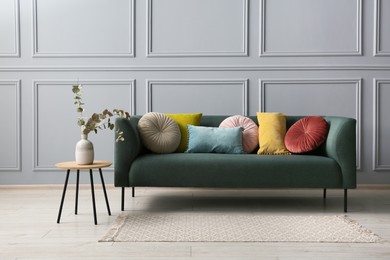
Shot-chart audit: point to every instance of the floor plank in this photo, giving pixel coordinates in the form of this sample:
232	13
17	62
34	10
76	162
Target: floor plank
28	228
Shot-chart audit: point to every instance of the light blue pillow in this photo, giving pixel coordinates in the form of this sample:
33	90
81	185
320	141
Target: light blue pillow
214	140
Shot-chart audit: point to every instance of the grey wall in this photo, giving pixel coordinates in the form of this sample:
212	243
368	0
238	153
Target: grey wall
306	57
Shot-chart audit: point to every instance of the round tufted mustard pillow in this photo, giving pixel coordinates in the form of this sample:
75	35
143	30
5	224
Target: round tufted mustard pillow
250	133
159	133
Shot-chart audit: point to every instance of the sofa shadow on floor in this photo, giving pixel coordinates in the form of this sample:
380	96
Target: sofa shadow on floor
270	201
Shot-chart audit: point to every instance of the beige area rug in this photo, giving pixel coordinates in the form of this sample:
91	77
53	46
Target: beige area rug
217	227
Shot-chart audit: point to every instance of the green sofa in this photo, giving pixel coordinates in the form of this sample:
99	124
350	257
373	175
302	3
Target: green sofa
332	166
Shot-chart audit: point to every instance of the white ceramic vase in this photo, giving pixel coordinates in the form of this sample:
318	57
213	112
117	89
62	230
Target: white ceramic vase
84	151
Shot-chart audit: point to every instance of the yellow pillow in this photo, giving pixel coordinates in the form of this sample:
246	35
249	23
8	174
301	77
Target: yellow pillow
272	129
183	120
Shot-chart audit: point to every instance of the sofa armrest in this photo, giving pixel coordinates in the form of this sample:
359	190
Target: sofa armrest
126	151
341	146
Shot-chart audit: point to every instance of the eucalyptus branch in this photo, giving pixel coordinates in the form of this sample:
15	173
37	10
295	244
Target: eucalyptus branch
97	121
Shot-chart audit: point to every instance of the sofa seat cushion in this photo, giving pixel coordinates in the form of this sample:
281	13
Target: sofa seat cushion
235	171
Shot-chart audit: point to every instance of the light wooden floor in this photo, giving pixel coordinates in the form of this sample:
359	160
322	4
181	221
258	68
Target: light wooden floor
28	228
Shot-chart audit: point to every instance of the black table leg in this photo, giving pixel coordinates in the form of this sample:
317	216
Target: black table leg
77	192
105	192
63	196
93	197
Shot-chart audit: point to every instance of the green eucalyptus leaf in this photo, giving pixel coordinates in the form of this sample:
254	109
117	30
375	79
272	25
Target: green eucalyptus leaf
81	122
96	120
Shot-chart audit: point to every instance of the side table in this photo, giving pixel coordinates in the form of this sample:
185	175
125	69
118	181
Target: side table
68	166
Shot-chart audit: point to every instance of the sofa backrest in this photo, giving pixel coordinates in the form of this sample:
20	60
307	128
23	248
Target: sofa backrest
215	120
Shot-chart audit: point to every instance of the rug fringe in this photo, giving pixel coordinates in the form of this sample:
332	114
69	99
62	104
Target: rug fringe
362	229
115	228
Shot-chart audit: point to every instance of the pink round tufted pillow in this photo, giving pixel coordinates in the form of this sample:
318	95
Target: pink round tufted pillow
306	135
250	133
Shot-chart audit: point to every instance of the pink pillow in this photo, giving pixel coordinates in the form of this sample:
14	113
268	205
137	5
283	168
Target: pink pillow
307	134
250	133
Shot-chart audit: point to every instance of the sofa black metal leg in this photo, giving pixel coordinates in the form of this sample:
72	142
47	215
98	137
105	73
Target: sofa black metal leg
133	192
123	199
345	200
324	193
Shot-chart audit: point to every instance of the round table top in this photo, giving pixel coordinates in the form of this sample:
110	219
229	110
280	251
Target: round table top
74	166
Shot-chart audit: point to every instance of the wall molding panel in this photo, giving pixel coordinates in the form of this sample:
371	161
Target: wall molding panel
11	127
378	133
84	39
289	37
196	68
7	51
240	84
197	28
291	83
302	57
379	49
37	166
